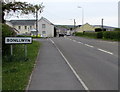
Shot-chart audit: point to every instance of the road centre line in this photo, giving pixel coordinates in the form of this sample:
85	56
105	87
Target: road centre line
74	41
75	73
93	47
105	51
80	42
89	45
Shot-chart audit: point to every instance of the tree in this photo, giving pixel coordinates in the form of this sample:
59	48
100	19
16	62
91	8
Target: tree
22	7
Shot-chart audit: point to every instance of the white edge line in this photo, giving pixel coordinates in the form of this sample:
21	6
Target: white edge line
80	80
105	51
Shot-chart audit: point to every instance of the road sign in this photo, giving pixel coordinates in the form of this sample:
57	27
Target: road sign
18	40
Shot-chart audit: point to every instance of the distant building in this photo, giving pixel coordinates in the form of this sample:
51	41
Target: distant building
23	26
85	28
92	28
119	14
106	28
28	27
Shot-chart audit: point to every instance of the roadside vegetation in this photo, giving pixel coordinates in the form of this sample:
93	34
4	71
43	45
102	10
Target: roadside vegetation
104	35
17	69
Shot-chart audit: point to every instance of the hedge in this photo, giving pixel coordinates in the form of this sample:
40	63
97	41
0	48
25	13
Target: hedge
112	35
91	34
6	32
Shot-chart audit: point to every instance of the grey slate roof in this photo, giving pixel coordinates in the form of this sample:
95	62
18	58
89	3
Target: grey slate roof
46	20
103	26
22	22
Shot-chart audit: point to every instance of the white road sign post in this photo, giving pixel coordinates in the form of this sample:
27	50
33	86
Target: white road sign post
18	40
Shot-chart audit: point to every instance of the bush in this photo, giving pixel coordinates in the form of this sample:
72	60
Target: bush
91	34
117	29
6	32
100	35
112	35
78	34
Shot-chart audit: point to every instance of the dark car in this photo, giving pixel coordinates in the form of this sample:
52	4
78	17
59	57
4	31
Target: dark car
61	35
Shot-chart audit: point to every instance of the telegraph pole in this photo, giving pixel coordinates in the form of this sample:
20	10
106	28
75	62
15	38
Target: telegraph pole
74	25
36	23
102	24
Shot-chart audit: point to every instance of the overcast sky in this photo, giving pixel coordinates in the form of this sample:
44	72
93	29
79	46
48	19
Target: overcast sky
65	11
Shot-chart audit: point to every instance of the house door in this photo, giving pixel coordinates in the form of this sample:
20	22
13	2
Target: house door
44	34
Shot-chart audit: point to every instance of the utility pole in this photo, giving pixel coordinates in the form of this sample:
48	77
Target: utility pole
74	25
102	24
36	23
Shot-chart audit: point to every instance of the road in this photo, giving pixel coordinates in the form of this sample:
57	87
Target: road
86	63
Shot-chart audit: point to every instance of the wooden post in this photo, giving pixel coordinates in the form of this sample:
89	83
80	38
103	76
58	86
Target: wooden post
25	51
11	50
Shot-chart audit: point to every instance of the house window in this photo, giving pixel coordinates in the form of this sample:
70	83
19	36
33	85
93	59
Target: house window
43	32
25	27
30	27
43	26
19	27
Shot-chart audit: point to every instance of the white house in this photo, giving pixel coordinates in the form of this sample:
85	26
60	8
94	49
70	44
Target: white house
46	28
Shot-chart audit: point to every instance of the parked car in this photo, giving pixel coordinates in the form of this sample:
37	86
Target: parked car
61	35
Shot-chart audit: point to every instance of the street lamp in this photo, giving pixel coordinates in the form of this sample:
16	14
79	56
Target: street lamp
74	24
82	16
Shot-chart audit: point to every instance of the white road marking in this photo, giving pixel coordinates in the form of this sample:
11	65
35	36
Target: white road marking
105	51
74	41
79	79
80	42
52	41
89	45
93	47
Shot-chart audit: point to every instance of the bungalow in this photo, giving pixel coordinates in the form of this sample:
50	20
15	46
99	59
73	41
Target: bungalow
106	28
92	28
86	27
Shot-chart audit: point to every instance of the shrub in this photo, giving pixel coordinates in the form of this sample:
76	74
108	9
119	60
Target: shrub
78	34
91	34
117	29
100	35
6	32
112	35
98	30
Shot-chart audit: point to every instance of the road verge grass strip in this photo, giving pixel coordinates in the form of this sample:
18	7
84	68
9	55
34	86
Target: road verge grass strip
16	72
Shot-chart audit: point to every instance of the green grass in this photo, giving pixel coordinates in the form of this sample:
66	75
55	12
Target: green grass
16	70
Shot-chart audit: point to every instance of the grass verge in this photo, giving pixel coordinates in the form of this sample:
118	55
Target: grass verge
16	70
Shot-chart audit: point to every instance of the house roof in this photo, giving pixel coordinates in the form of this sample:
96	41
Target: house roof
103	26
42	18
22	22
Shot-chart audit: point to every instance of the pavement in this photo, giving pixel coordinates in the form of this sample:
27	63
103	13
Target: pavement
75	63
52	72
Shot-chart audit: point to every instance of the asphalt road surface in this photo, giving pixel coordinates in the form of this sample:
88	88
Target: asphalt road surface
74	63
